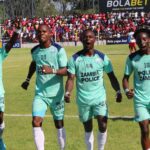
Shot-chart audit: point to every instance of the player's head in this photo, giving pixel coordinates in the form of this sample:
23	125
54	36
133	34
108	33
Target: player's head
43	33
88	39
142	36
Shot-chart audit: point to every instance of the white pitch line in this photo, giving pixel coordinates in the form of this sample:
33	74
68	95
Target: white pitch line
67	116
15	66
29	115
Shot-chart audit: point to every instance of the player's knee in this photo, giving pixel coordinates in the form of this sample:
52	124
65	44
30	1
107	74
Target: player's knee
36	122
103	127
145	132
102	123
59	124
144	126
88	126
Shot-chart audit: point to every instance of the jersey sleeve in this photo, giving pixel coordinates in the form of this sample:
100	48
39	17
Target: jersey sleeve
107	65
3	52
71	66
62	58
128	67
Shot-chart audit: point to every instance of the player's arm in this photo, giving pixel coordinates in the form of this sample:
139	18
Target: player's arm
115	85
125	83
69	87
31	71
14	37
48	70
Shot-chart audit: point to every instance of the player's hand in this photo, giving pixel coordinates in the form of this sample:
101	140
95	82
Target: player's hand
47	69
25	85
130	94
118	97
67	97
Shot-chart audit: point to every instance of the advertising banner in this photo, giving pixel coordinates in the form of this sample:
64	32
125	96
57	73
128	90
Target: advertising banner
124	5
122	40
16	45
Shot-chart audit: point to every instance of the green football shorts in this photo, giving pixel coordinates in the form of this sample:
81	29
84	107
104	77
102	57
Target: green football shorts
142	111
2	104
87	112
55	104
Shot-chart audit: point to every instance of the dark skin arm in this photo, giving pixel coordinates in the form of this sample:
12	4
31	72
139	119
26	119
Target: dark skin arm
31	71
69	87
14	37
115	85
125	84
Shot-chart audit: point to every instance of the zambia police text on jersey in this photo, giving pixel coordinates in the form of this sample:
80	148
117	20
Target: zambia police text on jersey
140	65
89	76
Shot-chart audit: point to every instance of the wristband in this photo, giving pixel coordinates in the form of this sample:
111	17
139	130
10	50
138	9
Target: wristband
67	93
54	71
27	80
118	92
126	90
18	31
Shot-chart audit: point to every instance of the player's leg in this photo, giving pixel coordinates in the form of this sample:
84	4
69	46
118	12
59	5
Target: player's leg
39	108
102	134
2	124
142	116
85	114
57	110
89	136
101	113
61	133
145	141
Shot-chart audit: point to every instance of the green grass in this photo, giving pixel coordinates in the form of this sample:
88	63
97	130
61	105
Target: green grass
122	134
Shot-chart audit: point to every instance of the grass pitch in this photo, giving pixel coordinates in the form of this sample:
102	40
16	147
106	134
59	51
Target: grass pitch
123	134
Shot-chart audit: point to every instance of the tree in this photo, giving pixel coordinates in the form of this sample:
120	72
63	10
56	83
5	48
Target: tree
44	8
86	6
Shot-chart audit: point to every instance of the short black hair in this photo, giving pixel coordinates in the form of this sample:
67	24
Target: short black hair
143	28
85	31
88	30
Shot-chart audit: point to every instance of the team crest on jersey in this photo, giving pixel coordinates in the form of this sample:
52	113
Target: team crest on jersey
79	60
98	60
53	50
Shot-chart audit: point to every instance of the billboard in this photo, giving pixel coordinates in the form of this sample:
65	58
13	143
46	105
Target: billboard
16	45
121	40
124	5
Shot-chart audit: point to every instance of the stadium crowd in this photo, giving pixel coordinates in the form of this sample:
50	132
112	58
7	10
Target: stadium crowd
68	28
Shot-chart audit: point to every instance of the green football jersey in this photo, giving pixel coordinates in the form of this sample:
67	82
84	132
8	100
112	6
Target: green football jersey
140	65
3	55
49	85
89	76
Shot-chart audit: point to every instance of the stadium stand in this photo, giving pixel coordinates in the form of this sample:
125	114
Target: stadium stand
68	28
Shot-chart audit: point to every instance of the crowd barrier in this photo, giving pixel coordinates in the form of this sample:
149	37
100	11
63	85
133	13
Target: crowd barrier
110	41
30	45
